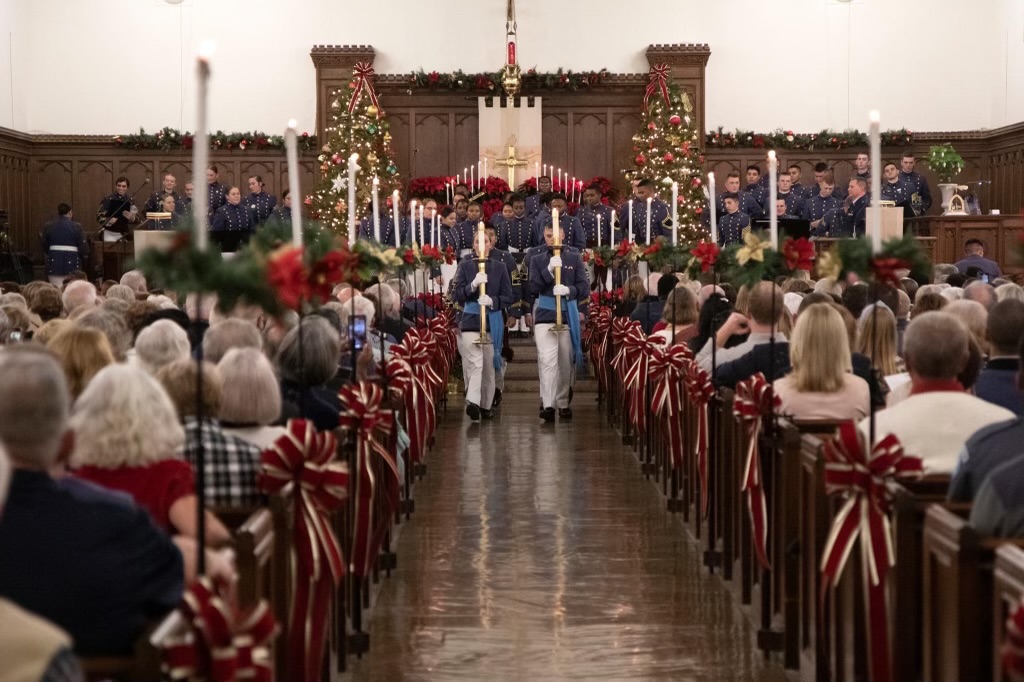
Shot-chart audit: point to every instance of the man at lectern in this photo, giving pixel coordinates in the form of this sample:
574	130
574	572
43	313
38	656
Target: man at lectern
65	246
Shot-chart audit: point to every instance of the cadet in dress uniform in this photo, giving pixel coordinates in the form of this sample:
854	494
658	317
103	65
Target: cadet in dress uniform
283	213
748	204
587	215
795	173
893	187
570	224
558	353
479	362
660	214
387	226
167	206
498	221
518	229
260	204
862	166
117	213
917	187
448	236
816	206
535	202
467	227
757	187
217	193
850	219
506	259
232	216
155	203
733	223
793	199
65	246
186	201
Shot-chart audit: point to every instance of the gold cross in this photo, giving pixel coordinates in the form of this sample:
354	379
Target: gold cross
511	162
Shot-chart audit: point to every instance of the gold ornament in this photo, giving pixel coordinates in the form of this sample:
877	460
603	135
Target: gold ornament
371	157
830	265
372	110
387	137
511	79
753	249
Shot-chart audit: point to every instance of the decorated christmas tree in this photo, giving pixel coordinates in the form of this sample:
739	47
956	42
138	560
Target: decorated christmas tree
358	127
665	150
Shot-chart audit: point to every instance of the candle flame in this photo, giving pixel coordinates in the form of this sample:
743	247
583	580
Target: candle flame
874	116
292	124
206	50
771	154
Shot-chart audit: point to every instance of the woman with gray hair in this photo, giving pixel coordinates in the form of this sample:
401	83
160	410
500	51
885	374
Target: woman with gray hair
127	438
305	367
159	344
120	292
251	399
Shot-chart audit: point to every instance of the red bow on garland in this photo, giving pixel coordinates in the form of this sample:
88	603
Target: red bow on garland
700	390
668	368
640	349
799	254
600	332
706	254
417	399
363	73
862	476
658	82
221	646
362	414
1012	651
303	457
755	400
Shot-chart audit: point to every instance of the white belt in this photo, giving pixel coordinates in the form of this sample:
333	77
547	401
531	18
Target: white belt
513	249
64	248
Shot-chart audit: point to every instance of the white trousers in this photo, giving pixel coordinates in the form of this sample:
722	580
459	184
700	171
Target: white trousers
499	376
554	365
56	280
477	370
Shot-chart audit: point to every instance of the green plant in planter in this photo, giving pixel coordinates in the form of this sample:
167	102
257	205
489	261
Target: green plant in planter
945	161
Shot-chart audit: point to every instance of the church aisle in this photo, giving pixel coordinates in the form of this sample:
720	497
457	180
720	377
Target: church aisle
541	553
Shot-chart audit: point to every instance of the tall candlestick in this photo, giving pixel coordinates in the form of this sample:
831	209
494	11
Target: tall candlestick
481	239
448	192
433	229
395	218
536	168
876	181
201	149
675	214
412	222
572	189
714	208
650	200
773	193
376	210
472	182
631	220
353	164
611	230
560	187
599	230
421	226
291	145
483	174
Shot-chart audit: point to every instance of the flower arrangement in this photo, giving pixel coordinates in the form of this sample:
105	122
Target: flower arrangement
945	161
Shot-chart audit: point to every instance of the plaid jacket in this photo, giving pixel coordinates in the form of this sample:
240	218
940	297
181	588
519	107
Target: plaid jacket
231	464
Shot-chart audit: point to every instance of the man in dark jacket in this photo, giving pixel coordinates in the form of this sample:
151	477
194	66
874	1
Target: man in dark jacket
998	382
649	310
65	246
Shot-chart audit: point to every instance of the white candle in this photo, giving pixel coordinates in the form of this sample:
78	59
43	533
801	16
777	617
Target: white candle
714	208
556	227
545	168
536	168
630	220
421	226
433	229
448	192
599	230
483	174
291	138
472	184
572	189
773	192
412	221
649	201
201	149
675	214
457	178
611	230
353	163
876	181
376	210
480	238
560	188
395	218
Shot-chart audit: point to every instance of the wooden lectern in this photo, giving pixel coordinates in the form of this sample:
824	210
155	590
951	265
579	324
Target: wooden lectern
153	239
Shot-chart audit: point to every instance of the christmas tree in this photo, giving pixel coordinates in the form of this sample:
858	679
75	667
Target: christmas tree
665	151
358	127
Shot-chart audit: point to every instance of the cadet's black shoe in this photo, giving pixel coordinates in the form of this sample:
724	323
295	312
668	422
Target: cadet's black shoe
473	411
547	414
497	399
565	413
487	414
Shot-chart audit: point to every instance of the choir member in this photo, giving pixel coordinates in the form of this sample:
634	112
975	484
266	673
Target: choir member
156	199
261	205
733	223
588	213
232	216
117	213
917	185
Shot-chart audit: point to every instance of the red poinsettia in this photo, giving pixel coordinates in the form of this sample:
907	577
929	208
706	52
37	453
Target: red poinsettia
799	254
409	256
624	249
758	141
586	256
431	252
886	269
598	261
652	249
449	255
433	78
330	270
707	253
287	274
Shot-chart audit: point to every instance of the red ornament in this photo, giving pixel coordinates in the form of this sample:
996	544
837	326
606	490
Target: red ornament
652	126
641	160
674	119
696	182
668	158
336	159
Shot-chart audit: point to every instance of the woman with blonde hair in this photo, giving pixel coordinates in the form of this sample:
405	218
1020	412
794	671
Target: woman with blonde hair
877	339
821	384
633	292
680	316
251	399
82	352
128	438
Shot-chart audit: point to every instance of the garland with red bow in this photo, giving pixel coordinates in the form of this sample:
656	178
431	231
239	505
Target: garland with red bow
599	335
221	646
658	83
700	390
640	349
1012	651
362	414
363	74
862	477
416	396
303	458
754	401
667	368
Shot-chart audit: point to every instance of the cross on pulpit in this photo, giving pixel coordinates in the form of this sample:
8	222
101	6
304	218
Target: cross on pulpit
511	162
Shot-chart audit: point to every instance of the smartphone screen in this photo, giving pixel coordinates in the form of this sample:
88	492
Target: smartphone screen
357	332
984	278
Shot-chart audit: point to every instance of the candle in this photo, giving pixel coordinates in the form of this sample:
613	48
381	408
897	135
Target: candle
560	188
433	229
536	168
876	181
483	174
457	178
376	210
291	144
353	163
599	230
611	230
201	149
630	220
472	184
714	208
412	221
773	192
572	189
545	168
649	201
675	214
481	238
421	225
448	192
395	218
556	227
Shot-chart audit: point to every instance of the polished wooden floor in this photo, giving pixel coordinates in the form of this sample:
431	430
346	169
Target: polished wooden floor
541	553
